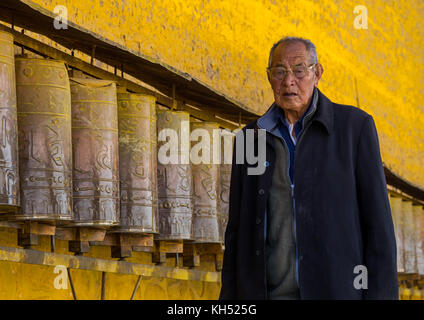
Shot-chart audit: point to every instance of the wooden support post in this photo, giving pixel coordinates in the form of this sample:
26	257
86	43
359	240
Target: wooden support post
28	235
218	261
191	257
122	248
162	247
83	236
159	257
122	244
213	249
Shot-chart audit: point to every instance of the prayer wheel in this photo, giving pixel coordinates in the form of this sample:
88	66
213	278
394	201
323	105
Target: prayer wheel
419	236
9	177
44	123
95	152
174	176
397	216
225	177
206	216
409	233
137	163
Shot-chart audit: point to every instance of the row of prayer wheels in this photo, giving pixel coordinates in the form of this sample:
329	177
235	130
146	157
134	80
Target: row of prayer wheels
77	152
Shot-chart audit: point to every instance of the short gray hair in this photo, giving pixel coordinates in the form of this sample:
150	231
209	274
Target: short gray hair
310	47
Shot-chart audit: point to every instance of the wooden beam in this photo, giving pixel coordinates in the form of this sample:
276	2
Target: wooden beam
37	257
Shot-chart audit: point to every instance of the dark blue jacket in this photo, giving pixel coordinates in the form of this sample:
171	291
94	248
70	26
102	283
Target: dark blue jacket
342	213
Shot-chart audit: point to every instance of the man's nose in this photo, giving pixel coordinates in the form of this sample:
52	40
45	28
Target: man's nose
289	79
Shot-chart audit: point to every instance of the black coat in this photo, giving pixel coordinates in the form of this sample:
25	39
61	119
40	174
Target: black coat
342	213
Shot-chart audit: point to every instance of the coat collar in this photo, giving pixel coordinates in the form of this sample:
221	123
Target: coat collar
323	114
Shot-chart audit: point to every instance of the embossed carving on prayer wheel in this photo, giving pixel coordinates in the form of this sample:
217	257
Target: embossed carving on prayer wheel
174	177
95	152
206	216
44	123
9	177
227	141
137	163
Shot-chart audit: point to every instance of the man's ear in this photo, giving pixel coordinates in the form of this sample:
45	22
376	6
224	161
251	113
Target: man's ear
269	79
319	70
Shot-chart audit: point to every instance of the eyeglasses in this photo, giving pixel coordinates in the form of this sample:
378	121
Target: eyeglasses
299	71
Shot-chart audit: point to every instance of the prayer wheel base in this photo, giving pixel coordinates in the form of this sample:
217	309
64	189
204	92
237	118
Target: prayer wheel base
6	209
94	224
28	235
48	219
122	244
133	230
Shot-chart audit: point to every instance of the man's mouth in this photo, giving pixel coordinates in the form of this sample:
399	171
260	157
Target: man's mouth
289	94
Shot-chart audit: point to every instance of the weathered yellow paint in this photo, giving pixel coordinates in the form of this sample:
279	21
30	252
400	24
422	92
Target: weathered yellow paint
35	282
32	281
225	44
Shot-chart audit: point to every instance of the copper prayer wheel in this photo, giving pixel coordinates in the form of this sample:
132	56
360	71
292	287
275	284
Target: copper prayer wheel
227	142
44	123
9	176
206	216
409	233
397	216
174	177
137	163
95	152
419	230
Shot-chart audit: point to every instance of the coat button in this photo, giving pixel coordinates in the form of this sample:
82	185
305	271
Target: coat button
266	163
258	220
258	252
261	192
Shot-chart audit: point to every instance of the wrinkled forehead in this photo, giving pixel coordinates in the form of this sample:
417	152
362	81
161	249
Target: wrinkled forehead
290	53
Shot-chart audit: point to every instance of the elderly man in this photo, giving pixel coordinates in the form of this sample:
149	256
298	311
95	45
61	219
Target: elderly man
317	223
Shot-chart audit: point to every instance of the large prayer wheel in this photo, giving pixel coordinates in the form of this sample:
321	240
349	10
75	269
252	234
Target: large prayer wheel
44	122
137	163
225	177
95	152
174	176
419	236
9	176
409	233
206	216
397	216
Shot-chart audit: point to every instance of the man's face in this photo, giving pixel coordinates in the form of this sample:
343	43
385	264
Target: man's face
292	93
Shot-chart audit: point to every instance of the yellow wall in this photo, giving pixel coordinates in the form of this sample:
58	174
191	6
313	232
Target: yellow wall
29	281
225	44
